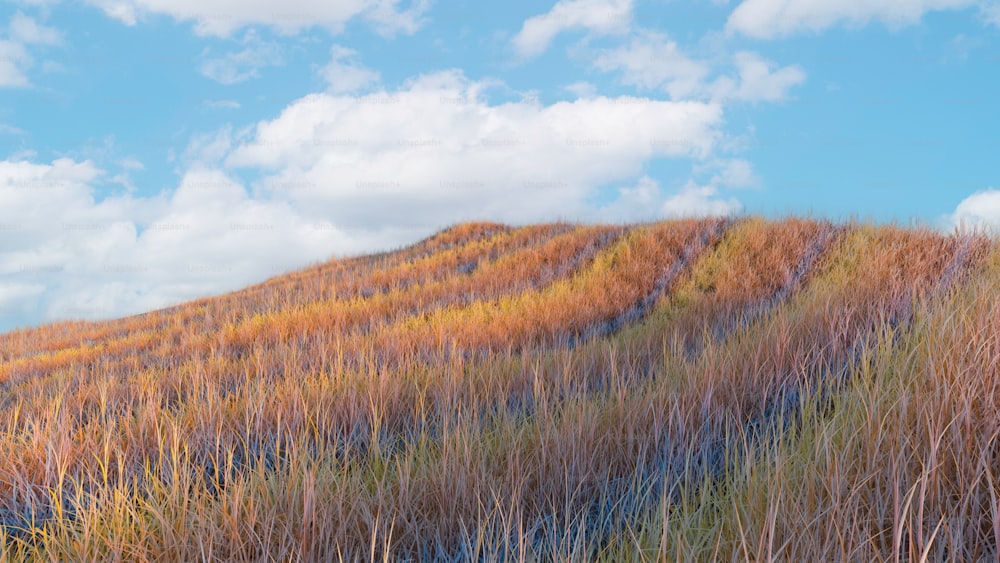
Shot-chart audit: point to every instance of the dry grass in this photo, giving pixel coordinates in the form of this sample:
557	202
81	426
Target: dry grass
768	390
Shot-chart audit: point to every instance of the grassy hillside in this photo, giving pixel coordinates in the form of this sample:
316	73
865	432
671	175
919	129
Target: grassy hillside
699	389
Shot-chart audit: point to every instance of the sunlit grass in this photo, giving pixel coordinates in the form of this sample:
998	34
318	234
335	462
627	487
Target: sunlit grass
692	390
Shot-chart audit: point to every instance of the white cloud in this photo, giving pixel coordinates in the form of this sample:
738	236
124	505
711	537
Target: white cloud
735	173
435	152
651	61
34	196
387	19
599	17
767	19
981	209
694	200
990	12
710	197
206	149
26	30
14	296
635	203
121	10
131	163
344	73
582	89
224	17
15	60
759	80
124	178
222	104
239	66
10	130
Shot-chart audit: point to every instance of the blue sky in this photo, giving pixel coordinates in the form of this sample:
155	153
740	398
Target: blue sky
154	151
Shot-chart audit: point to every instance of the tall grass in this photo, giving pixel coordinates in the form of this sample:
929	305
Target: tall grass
770	390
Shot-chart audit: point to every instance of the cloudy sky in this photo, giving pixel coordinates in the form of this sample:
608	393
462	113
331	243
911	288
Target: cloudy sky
153	151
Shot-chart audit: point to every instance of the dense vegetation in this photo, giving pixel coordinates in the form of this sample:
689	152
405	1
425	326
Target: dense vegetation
699	389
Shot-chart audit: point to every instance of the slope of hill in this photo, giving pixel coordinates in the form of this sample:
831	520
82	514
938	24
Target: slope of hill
696	389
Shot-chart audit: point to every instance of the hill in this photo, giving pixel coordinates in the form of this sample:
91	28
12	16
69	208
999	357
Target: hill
695	389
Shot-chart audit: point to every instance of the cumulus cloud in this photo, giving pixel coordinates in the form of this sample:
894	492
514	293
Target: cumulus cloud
599	17
767	19
224	17
652	61
981	209
435	151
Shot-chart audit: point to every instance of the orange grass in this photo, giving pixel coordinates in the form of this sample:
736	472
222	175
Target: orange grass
206	319
529	267
782	394
336	274
619	278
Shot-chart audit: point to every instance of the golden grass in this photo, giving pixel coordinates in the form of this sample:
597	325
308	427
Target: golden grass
344	277
785	390
617	280
198	324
